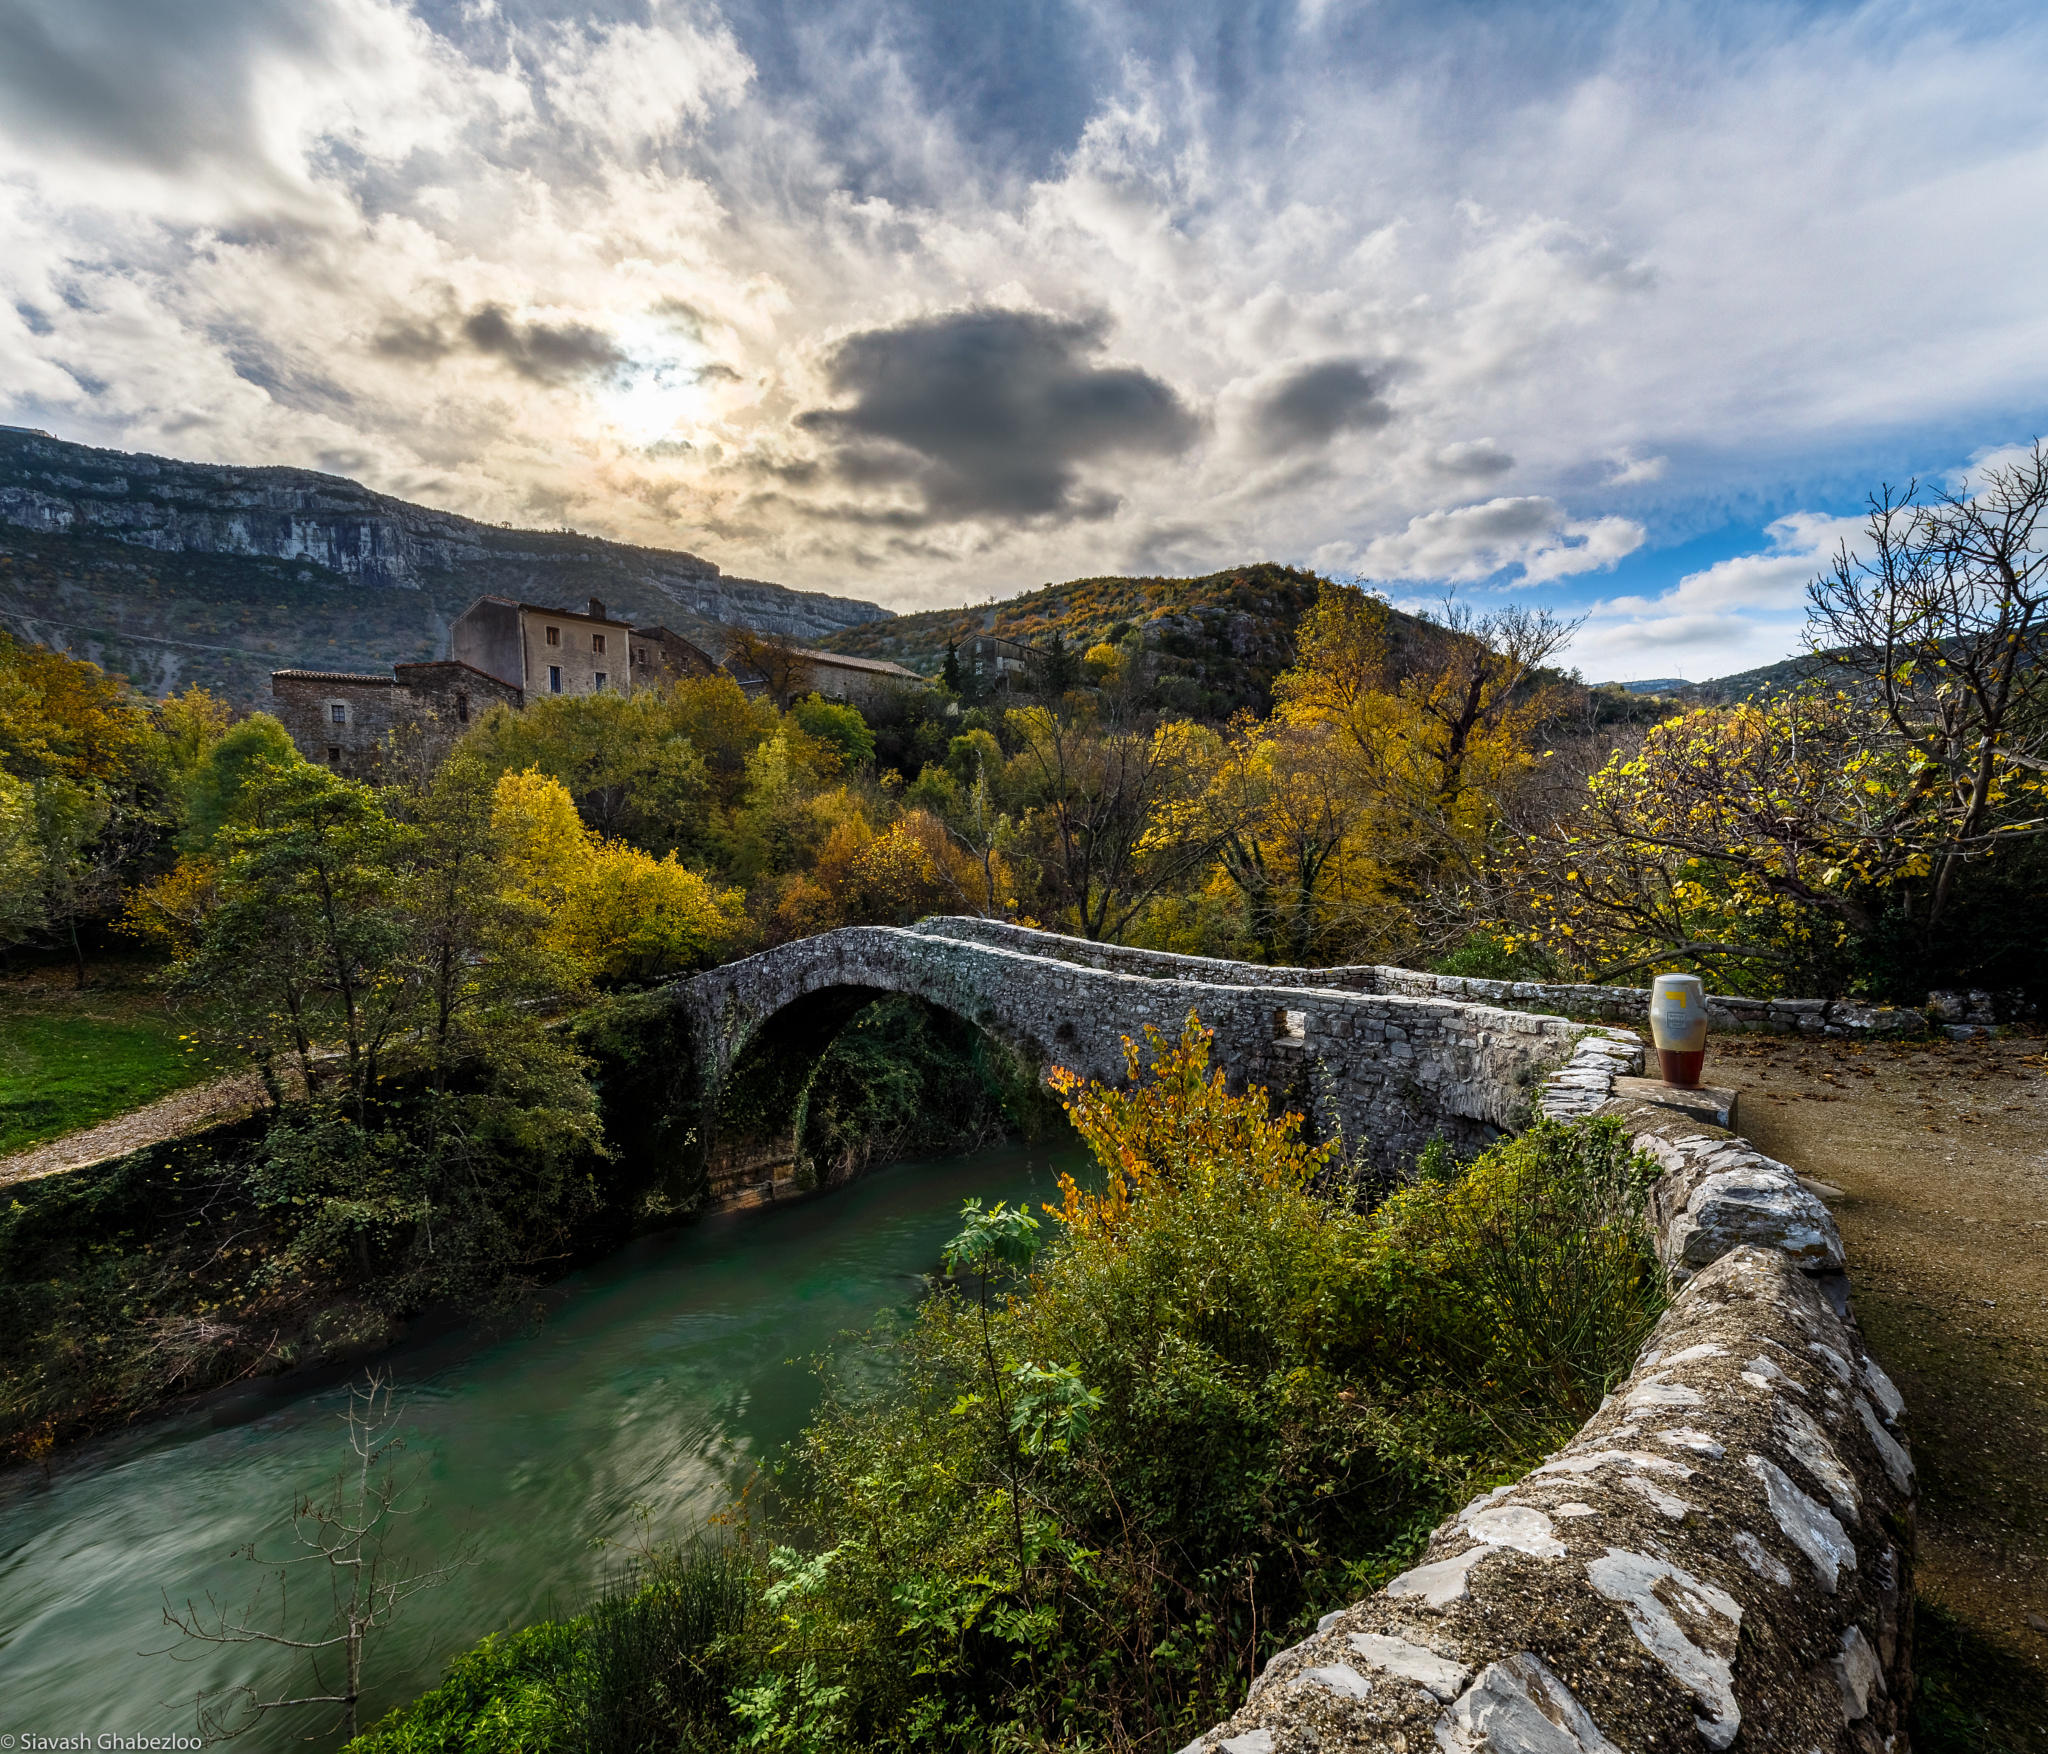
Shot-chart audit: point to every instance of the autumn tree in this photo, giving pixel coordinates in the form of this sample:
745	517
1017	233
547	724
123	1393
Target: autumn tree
1104	812
1436	722
1880	826
785	669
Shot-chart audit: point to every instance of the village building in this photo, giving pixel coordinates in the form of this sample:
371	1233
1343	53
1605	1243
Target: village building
503	652
858	682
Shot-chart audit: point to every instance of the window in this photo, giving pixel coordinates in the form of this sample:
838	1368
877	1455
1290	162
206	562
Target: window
333	755
639	654
598	681
597	643
337	712
554	676
462	708
554	636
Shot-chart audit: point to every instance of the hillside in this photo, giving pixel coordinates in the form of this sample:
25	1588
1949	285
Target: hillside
1213	644
1770	679
172	572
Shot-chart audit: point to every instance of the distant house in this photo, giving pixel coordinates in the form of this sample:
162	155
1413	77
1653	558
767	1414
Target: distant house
994	660
336	716
344	720
860	682
513	653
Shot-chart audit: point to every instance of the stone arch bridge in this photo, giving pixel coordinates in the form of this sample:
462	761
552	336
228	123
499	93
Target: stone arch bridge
1390	1069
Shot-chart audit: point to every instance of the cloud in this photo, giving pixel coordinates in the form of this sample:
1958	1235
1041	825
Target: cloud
1312	404
621	239
542	353
1630	469
989	413
1476	460
1532	534
1735	615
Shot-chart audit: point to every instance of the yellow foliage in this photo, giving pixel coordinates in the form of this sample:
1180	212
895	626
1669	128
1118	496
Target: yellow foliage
171	911
1182	1126
620	913
545	842
630	916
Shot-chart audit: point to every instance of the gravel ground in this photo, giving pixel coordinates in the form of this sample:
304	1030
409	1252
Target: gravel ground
1941	1156
186	1112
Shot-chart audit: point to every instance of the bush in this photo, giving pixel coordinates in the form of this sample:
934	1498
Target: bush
1219	1405
647	1667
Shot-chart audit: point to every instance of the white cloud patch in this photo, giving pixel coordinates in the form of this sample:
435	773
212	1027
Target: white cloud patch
1735	615
1628	470
1531	535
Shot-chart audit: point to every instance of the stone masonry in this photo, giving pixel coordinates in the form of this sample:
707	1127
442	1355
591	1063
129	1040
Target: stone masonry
1388	1071
1958	1013
1723	1552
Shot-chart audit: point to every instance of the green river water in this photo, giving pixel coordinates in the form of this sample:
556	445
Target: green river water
660	1379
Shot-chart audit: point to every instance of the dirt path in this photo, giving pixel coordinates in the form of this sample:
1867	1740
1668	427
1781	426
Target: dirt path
186	1112
1941	1153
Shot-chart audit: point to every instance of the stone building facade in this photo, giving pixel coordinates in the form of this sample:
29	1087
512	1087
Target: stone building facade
503	653
355	723
662	655
336	717
544	651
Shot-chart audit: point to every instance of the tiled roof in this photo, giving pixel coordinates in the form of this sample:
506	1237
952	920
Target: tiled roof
881	666
334	676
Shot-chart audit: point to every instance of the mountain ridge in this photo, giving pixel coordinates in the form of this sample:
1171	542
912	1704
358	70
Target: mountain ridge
173	572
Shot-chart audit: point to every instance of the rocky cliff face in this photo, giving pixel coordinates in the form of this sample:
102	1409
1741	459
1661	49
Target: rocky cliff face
147	562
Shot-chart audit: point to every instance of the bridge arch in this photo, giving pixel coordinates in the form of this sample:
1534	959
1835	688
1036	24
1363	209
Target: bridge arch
1391	1070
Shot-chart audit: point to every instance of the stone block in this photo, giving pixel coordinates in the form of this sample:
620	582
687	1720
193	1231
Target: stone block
1712	1103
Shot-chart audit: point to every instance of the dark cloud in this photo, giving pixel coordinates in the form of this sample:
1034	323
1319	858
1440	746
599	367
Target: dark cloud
989	413
162	83
1314	403
1481	460
546	353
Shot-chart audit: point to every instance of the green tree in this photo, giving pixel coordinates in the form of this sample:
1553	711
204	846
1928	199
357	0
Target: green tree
628	761
310	941
218	774
839	727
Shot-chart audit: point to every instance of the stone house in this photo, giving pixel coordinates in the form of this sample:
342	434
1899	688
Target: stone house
860	682
500	652
540	650
662	655
510	653
337	717
347	721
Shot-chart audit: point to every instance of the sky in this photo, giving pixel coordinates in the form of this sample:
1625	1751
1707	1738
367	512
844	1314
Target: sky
1620	309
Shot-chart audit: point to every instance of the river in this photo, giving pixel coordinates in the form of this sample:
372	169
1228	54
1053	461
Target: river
657	1383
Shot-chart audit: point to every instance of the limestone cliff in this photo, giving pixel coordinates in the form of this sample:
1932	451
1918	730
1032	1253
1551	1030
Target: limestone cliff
174	572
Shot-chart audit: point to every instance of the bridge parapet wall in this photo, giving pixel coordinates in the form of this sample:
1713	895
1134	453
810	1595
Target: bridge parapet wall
1724	1550
1389	1070
1625	1005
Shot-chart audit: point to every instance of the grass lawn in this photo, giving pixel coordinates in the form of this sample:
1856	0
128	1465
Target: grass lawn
70	1060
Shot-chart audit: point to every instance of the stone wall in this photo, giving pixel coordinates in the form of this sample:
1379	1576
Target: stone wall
1960	1013
304	702
419	710
1723	1551
1387	1070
